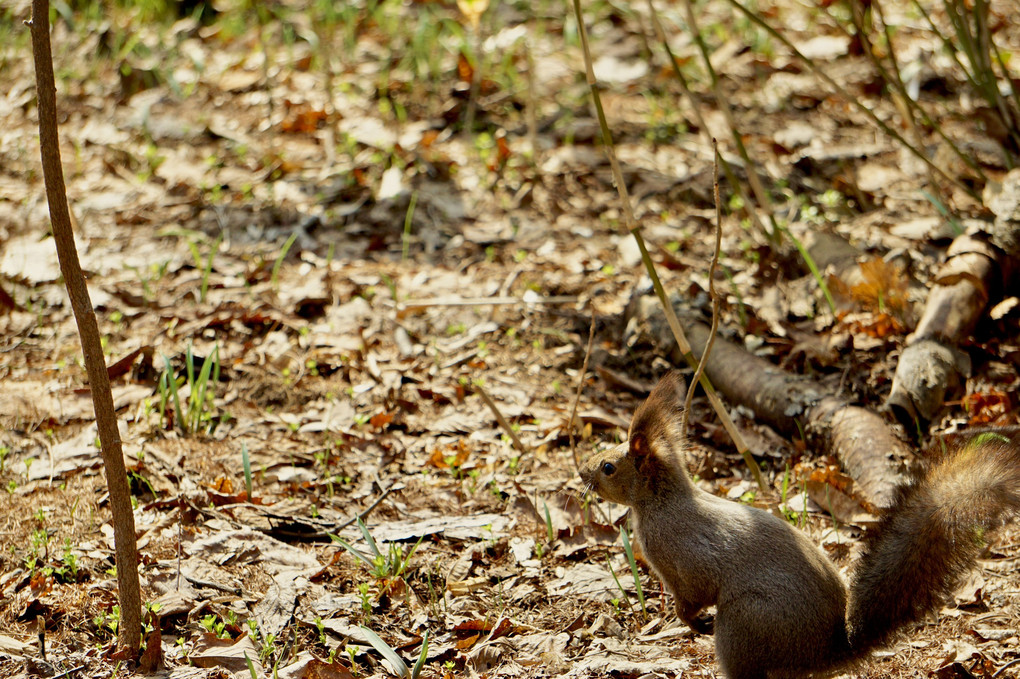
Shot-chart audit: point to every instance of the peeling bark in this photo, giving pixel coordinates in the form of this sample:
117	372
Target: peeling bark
931	366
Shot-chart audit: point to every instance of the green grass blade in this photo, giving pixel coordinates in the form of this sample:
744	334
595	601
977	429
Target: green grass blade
416	670
387	652
626	598
171	384
201	385
279	259
251	666
207	269
406	559
246	463
357	553
633	569
368	538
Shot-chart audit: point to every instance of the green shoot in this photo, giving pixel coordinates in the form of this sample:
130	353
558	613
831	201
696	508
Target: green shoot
197	415
810	261
206	268
633	569
422	657
389	564
246	463
548	523
408	219
626	598
274	277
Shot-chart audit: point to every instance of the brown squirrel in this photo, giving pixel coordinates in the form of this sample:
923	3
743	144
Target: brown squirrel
782	609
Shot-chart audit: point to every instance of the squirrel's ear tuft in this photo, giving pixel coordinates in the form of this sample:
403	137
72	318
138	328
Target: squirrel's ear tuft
671	390
662	407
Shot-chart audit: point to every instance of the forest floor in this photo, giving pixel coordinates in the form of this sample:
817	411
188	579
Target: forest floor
291	199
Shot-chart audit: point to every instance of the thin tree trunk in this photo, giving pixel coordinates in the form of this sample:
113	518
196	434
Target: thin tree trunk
129	626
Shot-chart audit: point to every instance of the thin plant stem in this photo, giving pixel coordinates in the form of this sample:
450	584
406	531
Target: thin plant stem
580	386
635	230
712	294
760	194
854	101
125	543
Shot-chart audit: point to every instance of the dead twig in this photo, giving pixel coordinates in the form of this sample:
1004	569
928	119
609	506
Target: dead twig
502	420
580	386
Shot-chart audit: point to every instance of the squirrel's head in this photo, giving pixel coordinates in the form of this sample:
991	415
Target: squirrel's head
636	469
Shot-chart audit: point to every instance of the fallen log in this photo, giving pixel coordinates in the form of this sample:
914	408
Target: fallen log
863	442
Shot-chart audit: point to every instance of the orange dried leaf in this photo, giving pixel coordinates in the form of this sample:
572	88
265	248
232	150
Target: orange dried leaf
380	420
451	456
985	408
884	287
223	485
464	70
467	642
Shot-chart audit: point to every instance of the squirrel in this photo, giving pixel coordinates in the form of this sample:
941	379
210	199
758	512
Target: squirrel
782	609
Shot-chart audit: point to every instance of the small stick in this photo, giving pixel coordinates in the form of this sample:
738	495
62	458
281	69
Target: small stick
713	295
580	385
483	301
365	512
502	420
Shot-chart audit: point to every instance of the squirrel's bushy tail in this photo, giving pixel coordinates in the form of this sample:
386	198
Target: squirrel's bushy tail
932	537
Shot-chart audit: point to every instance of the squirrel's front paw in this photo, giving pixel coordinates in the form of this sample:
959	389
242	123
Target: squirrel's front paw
702	624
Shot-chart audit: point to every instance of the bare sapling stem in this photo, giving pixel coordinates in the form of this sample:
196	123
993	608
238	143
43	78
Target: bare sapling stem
714	296
761	196
635	230
853	101
580	387
129	629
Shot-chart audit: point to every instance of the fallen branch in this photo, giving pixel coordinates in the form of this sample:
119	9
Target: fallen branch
931	366
795	405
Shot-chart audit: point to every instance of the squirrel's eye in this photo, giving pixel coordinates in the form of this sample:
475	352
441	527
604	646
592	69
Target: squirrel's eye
608	468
